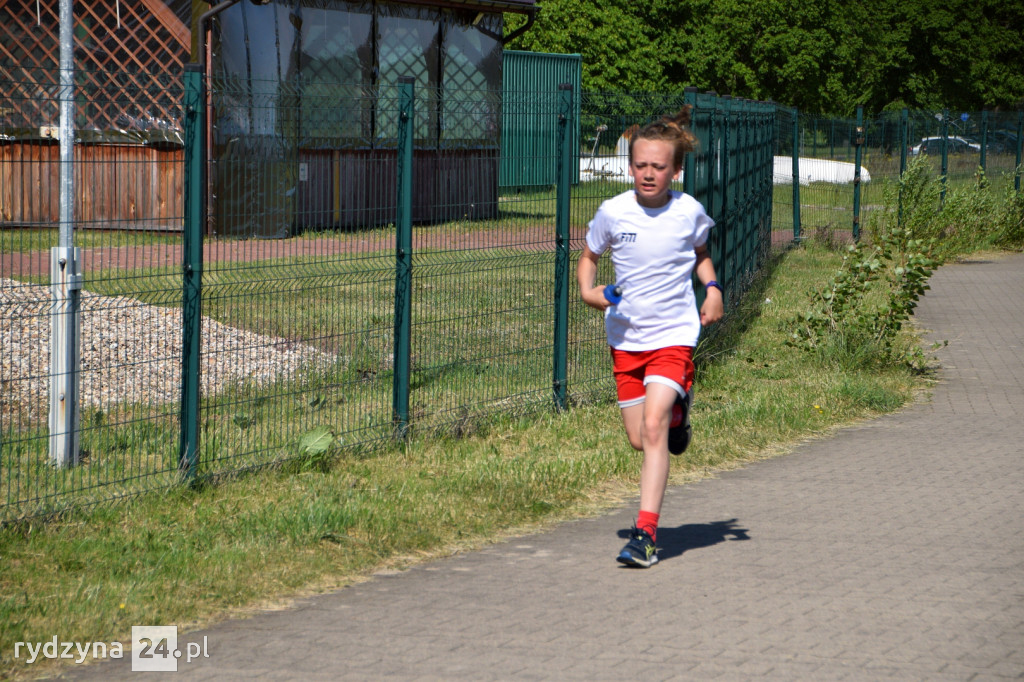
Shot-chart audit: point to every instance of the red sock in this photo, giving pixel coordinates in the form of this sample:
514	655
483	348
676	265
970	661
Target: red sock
648	521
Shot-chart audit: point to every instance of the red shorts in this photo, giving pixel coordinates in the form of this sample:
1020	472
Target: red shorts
672	366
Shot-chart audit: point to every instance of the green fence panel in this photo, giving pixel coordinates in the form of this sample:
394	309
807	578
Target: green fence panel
339	285
128	210
527	135
950	142
345	284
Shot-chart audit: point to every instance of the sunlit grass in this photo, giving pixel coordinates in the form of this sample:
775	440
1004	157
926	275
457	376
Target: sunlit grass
28	239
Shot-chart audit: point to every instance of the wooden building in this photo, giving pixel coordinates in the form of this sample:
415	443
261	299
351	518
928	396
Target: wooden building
128	155
303	100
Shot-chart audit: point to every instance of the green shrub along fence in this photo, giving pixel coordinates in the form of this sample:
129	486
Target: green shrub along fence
286	274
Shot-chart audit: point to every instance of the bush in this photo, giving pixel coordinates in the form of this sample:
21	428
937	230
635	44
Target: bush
973	216
1010	220
857	319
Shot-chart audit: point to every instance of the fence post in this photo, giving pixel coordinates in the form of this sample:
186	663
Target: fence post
904	138
711	183
796	174
944	132
65	353
403	257
768	189
904	141
984	137
749	140
732	227
1020	144
65	275
690	162
743	167
562	208
858	155
716	186
192	250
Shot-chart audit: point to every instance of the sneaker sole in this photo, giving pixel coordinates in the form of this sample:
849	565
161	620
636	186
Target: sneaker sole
630	560
679	436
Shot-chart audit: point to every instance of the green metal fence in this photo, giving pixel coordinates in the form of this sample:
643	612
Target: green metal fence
528	134
828	202
245	291
127	212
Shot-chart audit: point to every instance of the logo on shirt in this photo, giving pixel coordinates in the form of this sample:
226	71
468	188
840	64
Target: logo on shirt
624	237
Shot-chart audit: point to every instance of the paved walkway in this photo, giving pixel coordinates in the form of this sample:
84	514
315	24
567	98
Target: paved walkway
892	551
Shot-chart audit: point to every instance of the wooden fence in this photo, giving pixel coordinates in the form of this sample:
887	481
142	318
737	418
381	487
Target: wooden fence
117	186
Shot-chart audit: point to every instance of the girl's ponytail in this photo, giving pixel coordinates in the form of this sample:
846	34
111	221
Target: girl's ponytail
682	117
674	129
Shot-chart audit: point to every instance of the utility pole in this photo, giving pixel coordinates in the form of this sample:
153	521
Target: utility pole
65	272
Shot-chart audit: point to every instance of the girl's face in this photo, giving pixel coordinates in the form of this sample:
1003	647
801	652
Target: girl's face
653	168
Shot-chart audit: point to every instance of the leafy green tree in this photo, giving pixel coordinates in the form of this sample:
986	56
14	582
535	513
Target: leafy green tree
962	55
823	56
617	51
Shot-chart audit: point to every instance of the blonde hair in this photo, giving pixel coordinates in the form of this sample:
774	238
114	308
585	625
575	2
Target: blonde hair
674	129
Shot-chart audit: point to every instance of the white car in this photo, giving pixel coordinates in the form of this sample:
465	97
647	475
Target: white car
954	145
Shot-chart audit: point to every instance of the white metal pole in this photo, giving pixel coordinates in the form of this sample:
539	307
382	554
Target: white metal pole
67	122
65	271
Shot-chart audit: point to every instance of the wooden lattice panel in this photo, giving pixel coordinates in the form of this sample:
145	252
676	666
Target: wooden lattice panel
128	60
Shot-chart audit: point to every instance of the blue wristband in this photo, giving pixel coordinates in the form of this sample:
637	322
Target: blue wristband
714	284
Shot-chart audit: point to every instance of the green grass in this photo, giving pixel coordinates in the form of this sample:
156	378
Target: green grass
25	240
193	556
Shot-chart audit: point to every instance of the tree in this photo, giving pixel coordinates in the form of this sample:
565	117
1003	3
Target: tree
822	56
616	51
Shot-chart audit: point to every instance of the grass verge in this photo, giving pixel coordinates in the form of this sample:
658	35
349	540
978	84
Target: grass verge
192	557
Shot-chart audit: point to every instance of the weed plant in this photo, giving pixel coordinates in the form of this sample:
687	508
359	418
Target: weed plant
973	214
858	319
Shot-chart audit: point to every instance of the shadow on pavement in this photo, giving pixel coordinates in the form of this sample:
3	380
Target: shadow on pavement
673	542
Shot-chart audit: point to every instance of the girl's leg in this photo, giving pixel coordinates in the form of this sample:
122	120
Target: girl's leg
657	412
647	429
633	420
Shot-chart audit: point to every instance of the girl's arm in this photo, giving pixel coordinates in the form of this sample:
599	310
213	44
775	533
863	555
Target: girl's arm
714	307
586	272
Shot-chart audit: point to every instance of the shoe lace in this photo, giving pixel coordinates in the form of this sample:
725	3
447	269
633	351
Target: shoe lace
643	540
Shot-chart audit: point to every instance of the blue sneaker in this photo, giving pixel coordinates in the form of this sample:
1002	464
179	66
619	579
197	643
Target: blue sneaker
679	431
639	551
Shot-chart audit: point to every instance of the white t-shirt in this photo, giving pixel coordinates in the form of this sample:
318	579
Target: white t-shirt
653	252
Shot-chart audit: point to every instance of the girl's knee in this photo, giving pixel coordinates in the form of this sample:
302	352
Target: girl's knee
655	426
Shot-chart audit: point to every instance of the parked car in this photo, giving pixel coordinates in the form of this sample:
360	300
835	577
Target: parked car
954	145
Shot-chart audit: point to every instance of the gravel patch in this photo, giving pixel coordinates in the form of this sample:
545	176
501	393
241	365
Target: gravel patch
130	353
